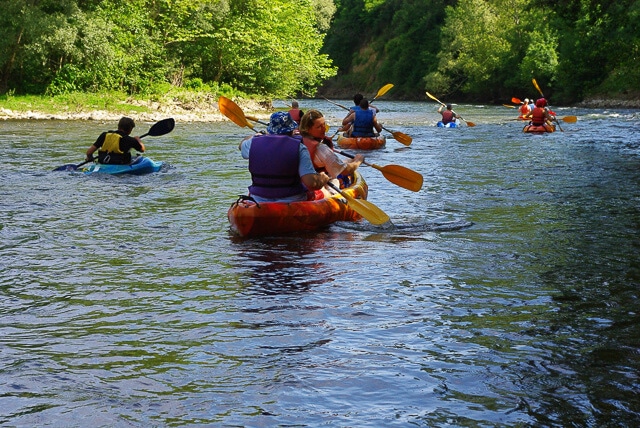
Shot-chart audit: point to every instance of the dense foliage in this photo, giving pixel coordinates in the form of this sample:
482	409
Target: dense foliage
485	50
255	46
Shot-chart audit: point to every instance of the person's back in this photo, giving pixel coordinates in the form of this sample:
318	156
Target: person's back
364	120
448	115
273	164
539	115
114	146
525	109
295	112
280	166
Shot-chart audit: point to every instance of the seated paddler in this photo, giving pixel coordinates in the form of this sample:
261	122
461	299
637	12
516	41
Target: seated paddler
114	147
280	165
313	130
363	121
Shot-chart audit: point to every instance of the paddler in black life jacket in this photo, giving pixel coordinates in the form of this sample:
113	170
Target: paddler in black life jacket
114	146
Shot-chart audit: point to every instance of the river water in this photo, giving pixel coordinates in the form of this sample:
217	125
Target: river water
507	294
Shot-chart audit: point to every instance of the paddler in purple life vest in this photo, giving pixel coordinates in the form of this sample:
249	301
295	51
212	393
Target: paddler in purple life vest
280	165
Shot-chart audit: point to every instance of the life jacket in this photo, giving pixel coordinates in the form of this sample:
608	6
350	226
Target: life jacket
110	152
538	117
312	151
447	116
363	123
273	163
525	110
296	114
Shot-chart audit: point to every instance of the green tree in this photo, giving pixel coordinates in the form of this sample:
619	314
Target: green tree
474	48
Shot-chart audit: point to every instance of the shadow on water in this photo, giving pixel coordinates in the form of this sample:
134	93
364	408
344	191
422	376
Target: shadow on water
282	264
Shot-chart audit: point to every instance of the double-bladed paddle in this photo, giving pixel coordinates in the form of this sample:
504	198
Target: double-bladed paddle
397	135
440	102
398	175
159	128
366	209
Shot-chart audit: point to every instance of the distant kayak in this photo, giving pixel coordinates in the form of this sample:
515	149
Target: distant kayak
448	125
539	129
362	143
140	166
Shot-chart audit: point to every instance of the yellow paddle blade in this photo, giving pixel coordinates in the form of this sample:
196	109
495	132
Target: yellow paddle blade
401	176
233	112
366	209
537	87
434	98
402	138
399	136
383	90
570	119
509	106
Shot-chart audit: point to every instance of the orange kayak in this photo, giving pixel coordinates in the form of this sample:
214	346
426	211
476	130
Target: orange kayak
539	129
362	143
249	218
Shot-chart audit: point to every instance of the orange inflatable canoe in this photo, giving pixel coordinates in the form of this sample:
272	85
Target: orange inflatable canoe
362	143
539	129
248	218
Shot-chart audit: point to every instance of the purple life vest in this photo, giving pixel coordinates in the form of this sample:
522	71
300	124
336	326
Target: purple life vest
273	163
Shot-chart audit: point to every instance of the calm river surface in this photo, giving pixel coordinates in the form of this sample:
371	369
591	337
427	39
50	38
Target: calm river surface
508	293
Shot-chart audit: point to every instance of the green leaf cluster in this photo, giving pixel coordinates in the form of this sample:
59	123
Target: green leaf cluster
269	47
486	50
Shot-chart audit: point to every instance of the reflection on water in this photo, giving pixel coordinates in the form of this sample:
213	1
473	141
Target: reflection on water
505	294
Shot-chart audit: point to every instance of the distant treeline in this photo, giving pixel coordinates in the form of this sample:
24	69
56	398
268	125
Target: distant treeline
137	46
485	50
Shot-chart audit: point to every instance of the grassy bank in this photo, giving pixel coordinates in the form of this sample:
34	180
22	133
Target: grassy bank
184	105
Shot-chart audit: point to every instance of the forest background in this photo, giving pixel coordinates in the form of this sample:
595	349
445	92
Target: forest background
196	50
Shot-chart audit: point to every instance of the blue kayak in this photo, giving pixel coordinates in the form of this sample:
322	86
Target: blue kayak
448	125
140	166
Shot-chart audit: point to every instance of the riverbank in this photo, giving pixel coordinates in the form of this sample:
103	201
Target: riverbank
203	110
144	111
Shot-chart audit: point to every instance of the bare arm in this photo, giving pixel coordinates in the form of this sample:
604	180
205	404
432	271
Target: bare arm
353	165
315	181
349	119
90	151
376	125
